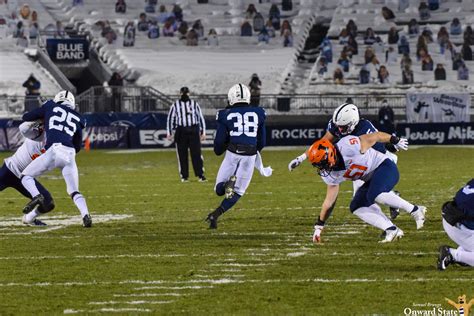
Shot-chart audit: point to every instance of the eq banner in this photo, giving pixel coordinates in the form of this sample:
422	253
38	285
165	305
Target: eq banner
438	107
67	50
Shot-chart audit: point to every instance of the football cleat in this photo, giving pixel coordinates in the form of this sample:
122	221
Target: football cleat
34	222
184	180
87	221
37	200
202	179
212	219
419	216
392	234
229	187
444	258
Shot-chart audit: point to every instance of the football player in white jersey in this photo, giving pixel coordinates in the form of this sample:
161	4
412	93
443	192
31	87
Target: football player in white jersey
10	172
353	158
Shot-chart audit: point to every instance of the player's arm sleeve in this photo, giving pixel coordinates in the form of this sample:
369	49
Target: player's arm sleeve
77	140
262	131
221	140
34	115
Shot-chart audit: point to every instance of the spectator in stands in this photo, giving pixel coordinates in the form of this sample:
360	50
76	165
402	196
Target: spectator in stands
440	72
433	4
163	14
274	15
468	35
369	37
450	51
369	54
344	61
413	28
387	14
255	85
427	35
251	11
352	28
386	118
424	11
407	75
383	75
457	61
59	32
212	39
321	66
199	28
153	30
393	35
373	66
142	23
263	36
403	5
246	29
338	76
379	45
129	34
455	28
270	28
192	38
391	56
183	30
150	6
287	38
466	51
287	5
32	93
426	61
116	83
108	33
258	22
406	61
25	12
421	46
403	45
168	29
178	12
352	46
463	72
34	17
116	80
364	75
326	49
443	39
285	25
121	6
344	37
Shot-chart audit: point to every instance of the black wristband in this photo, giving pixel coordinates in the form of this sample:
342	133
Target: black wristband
394	139
319	222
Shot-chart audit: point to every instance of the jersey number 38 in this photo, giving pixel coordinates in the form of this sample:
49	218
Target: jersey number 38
246	123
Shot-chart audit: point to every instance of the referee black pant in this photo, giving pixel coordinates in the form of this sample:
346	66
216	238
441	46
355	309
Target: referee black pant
189	137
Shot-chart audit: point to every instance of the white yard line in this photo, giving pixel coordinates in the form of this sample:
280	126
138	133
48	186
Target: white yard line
149	294
107	310
185	287
142	302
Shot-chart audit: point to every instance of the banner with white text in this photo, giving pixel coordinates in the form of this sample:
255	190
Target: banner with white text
438	107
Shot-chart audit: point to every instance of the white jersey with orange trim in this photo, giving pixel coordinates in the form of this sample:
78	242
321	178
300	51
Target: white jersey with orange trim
357	165
24	155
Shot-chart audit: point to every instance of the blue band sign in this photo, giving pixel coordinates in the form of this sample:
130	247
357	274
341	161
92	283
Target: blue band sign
67	50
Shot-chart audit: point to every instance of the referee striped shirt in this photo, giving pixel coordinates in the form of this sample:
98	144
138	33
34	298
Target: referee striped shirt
185	114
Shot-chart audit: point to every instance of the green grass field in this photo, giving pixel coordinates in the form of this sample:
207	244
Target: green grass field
150	251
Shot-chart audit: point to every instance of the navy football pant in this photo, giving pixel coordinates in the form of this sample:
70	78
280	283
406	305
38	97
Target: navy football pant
384	179
9	180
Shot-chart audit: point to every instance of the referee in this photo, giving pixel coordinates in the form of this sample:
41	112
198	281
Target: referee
186	123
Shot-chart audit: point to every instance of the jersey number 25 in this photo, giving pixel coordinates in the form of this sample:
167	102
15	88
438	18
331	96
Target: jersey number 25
246	124
66	121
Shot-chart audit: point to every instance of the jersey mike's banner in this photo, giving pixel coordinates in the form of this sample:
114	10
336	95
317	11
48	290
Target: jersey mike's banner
437	133
438	107
67	50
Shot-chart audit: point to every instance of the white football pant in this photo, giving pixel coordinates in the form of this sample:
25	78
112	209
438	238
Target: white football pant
464	237
240	166
57	156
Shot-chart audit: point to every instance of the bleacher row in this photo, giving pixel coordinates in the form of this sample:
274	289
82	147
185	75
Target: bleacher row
368	13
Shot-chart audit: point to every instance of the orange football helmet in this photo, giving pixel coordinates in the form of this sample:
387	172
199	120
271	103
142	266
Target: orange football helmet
322	155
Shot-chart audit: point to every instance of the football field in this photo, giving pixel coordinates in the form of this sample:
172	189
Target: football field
150	251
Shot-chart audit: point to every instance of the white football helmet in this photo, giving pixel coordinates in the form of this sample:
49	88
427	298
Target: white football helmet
239	93
66	98
346	117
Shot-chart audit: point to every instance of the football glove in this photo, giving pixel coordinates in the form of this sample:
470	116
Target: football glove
402	144
296	162
318	229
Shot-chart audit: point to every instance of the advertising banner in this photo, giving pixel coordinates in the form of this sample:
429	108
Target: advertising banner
437	133
105	137
438	107
67	50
